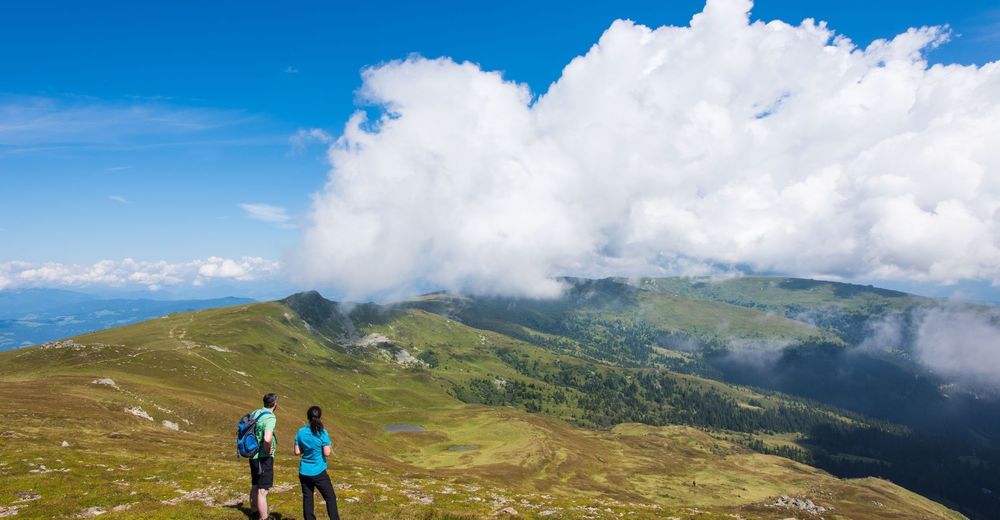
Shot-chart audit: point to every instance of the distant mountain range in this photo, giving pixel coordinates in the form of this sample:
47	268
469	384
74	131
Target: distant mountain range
33	316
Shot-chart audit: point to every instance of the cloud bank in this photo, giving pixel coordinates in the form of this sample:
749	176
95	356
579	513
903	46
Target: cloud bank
729	145
134	273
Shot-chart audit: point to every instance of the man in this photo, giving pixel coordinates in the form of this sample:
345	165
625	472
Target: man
262	462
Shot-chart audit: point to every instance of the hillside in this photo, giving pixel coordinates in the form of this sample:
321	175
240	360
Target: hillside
791	335
137	421
806	338
613	321
842	308
33	316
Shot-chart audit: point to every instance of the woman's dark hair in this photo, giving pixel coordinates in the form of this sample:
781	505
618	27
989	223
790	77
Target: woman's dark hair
315	424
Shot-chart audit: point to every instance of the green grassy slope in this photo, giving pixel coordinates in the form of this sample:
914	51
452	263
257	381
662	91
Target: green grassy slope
612	321
840	308
147	414
615	299
778	292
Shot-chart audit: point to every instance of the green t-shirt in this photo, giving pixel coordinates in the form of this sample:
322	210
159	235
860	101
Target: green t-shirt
265	424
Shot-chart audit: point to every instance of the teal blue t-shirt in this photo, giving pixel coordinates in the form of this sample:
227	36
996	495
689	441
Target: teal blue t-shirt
313	462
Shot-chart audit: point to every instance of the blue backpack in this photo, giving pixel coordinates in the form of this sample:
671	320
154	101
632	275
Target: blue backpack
246	434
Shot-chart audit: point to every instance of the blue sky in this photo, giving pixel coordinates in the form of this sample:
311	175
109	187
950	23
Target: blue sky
138	129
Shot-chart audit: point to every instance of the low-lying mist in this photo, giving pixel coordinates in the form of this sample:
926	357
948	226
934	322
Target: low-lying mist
959	342
936	366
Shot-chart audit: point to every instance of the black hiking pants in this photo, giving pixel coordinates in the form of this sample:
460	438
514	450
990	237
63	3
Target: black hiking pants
325	487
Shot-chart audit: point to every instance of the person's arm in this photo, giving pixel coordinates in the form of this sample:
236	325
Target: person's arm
265	445
295	445
326	444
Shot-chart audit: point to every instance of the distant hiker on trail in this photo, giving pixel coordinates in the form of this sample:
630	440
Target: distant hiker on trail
262	462
313	443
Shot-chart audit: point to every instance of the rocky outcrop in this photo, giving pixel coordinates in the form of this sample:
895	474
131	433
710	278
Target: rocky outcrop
802	504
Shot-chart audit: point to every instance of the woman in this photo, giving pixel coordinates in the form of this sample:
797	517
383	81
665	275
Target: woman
313	444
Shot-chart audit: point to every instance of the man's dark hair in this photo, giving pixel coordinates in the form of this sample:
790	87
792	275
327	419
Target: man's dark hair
270	399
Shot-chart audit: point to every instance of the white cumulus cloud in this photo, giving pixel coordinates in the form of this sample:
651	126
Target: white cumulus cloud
724	144
129	272
246	268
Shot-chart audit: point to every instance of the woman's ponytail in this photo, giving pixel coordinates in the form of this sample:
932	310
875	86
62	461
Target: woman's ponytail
315	424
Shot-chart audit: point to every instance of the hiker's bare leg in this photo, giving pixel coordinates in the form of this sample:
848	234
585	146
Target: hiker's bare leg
253	499
262	503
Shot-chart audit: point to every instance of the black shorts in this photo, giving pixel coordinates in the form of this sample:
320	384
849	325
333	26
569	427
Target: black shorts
262	473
